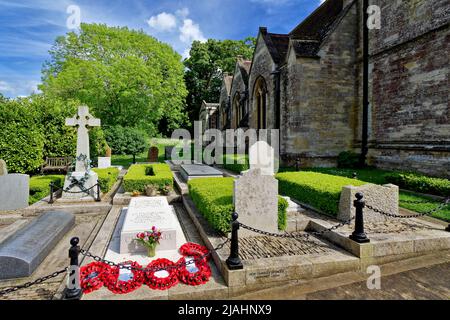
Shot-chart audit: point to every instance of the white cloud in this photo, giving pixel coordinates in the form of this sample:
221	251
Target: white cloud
5	86
163	22
190	31
183	13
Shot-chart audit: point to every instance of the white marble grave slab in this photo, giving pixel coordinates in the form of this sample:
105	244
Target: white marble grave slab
142	214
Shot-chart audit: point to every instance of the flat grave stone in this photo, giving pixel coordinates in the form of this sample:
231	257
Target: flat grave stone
143	213
24	251
192	171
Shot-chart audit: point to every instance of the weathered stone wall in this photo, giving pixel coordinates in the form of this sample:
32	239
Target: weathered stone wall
410	110
223	105
319	107
238	88
262	66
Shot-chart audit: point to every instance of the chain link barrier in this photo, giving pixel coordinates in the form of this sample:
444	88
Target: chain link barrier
153	269
305	236
32	283
441	206
56	189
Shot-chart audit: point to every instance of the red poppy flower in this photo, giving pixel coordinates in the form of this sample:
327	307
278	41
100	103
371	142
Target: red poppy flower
91	276
115	285
193	274
163	279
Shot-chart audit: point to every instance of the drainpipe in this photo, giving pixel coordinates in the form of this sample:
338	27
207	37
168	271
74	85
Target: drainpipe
365	115
277	94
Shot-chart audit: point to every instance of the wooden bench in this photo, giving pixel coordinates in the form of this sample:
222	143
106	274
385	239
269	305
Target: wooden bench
56	164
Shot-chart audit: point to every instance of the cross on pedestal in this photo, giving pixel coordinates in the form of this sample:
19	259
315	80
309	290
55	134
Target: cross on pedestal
83	120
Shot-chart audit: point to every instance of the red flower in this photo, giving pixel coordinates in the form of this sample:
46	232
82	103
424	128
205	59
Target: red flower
112	282
92	275
157	283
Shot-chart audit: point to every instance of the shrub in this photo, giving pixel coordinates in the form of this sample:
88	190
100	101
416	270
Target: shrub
106	178
231	162
141	175
420	183
321	191
282	213
213	197
348	159
40	186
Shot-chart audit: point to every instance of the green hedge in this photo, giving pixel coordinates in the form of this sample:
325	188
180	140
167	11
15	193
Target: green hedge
420	183
322	191
106	178
213	197
141	175
235	166
39	186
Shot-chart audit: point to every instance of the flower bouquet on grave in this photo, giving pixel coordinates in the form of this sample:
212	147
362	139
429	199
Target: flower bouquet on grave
149	239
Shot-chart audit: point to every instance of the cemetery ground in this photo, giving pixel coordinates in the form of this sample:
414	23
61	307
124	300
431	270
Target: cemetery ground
309	259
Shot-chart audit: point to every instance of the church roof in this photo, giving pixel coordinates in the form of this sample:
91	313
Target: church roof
244	67
318	23
305	48
277	44
227	79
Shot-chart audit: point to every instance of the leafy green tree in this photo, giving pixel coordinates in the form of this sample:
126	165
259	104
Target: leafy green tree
125	140
205	67
126	77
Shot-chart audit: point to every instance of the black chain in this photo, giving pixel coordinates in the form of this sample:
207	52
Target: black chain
427	213
296	236
32	283
74	192
153	269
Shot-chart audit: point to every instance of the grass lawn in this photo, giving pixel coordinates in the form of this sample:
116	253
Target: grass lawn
377	176
39	186
127	160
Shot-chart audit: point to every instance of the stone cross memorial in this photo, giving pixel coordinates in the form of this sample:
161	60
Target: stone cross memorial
256	201
144	213
83	121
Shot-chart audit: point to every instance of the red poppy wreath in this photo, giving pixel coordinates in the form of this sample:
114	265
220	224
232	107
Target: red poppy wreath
193	273
164	278
91	276
121	281
194	249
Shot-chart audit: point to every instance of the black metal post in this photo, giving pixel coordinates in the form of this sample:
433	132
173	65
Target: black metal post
365	84
297	164
233	261
359	235
98	193
448	228
355	175
51	201
73	291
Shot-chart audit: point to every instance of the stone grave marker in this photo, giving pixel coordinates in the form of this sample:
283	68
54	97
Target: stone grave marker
143	213
153	154
83	120
168	152
256	201
14	189
23	252
193	171
262	156
3	168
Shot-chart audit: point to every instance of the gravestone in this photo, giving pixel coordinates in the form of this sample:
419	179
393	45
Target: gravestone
24	251
153	154
104	162
83	178
255	199
14	189
261	156
143	213
193	171
3	168
168	152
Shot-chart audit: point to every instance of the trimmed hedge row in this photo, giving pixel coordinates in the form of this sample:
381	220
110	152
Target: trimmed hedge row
141	175
40	186
322	191
106	178
230	162
420	183
213	197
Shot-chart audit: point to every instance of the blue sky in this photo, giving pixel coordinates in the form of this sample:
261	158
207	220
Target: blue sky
28	28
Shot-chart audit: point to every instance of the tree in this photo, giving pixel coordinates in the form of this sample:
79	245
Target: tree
126	77
205	67
125	141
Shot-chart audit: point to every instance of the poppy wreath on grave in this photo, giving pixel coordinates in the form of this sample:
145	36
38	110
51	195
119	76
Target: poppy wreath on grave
134	278
163	279
195	273
91	276
194	249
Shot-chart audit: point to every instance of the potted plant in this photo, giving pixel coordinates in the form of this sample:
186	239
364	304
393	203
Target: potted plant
165	190
149	239
150	191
